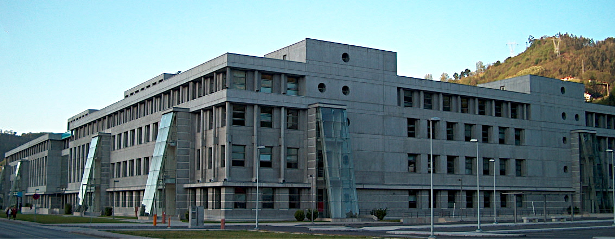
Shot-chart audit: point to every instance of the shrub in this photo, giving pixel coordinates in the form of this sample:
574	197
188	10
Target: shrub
142	211
68	208
311	214
28	204
379	213
351	215
108	211
300	215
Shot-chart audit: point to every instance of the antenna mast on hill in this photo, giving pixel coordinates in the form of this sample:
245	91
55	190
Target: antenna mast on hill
512	45
556	45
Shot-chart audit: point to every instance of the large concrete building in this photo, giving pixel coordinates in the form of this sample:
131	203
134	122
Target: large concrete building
329	126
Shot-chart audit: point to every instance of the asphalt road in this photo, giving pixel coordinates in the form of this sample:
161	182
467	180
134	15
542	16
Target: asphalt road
16	229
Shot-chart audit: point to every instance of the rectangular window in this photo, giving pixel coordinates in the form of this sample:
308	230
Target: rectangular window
267	117
435	163
498	108
411	127
292	86
465	105
239	155
412	199
222	116
503	200
468	128
412	163
482	107
131	168
519	172
502	135
446	102
428	101
147	134
292	119
222	156
514	110
210	120
503	163
265	157
239	115
450	130
239	80
407	98
294	198
139	135
518	136
435	129
266	83
486	133
487	199
469	199
145	165
450	164
451	199
469	165
519	198
138	167
486	166
197	159
268	197
239	198
154	132
125	169
292	158
210	155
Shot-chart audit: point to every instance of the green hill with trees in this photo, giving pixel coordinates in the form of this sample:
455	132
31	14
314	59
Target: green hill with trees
575	58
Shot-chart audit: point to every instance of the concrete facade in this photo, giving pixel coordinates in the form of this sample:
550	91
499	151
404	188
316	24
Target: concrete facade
240	116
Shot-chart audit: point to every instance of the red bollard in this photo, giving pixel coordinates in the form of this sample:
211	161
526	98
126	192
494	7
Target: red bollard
222	223
155	219
164	217
169	225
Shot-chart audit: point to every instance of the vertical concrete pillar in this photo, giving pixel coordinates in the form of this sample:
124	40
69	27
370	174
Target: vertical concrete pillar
282	144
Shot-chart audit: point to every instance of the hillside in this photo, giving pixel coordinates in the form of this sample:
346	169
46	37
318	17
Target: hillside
11	141
580	59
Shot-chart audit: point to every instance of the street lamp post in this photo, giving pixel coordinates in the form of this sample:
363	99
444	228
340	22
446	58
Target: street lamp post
612	175
431	165
257	182
477	189
495	212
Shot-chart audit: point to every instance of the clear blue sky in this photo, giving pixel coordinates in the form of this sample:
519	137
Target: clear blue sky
58	58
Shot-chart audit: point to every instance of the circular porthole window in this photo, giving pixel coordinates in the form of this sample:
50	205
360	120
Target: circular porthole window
345	57
564	115
322	87
345	90
576	117
564	140
566	198
563	90
565	169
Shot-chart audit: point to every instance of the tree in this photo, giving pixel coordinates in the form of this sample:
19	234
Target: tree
456	76
480	67
428	77
444	77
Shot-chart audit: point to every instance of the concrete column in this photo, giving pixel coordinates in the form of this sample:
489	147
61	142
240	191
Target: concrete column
229	77
228	143
257	81
282	143
421	100
283	84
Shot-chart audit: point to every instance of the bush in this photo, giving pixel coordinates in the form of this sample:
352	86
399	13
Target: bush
28	204
379	213
311	214
81	208
300	215
68	208
108	211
